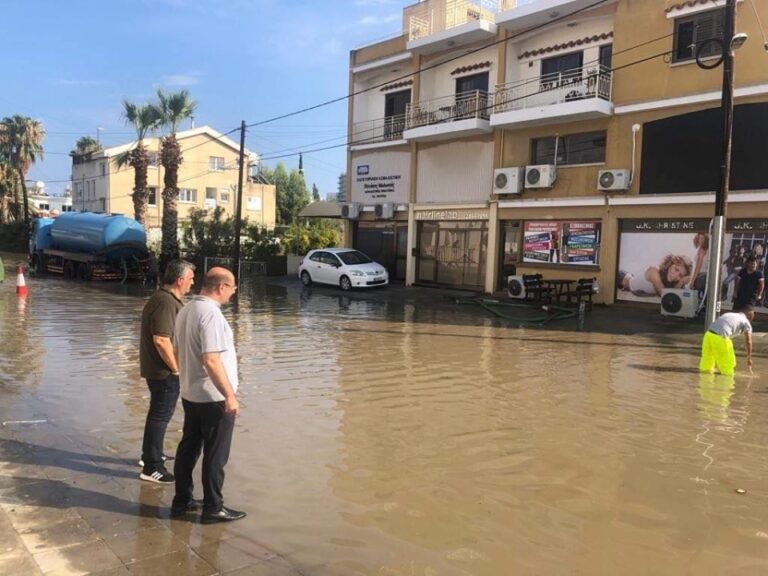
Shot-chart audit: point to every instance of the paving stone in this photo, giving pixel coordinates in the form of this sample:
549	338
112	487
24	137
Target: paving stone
183	563
76	560
237	552
67	533
19	562
145	544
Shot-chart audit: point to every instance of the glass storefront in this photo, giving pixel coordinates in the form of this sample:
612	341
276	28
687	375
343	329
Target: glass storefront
452	253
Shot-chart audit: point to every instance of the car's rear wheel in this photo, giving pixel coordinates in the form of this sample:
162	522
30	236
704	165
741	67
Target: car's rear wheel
306	279
345	283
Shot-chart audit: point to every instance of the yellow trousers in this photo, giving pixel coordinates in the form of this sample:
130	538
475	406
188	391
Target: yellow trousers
717	352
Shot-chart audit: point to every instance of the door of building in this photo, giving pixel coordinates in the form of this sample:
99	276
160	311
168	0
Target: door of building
453	254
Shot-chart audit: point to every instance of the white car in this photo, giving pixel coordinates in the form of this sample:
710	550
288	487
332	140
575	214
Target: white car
342	267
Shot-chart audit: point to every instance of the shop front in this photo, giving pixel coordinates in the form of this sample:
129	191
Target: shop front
386	243
452	247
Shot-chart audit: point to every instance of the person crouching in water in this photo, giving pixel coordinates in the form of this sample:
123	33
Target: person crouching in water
717	345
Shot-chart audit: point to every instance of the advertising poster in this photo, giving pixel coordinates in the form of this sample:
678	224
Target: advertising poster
541	241
657	254
551	242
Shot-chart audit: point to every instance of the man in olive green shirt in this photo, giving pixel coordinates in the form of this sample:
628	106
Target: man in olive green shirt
159	366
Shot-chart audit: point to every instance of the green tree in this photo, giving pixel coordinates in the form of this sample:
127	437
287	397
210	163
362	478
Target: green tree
144	119
301	237
172	110
85	145
315	193
21	145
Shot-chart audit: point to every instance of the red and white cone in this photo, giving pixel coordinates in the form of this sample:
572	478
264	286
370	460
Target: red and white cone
21	284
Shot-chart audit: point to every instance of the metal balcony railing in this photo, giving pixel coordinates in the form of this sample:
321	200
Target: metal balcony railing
557	88
432	16
462	106
378	130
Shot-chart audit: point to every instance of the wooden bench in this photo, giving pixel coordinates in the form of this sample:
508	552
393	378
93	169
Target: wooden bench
583	291
535	289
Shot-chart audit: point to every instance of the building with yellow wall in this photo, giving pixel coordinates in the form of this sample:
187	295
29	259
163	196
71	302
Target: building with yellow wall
208	177
572	138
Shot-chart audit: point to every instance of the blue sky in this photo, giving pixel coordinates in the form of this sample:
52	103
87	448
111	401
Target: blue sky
69	64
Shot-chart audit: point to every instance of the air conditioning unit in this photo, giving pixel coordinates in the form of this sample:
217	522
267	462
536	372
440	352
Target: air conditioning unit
613	180
679	302
541	176
351	210
385	211
508	180
515	287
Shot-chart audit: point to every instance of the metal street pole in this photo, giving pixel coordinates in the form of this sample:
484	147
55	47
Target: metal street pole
721	196
239	205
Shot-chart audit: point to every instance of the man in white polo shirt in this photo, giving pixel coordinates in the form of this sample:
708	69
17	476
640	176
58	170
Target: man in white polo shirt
208	366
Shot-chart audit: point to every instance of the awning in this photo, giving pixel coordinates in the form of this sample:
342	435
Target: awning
321	210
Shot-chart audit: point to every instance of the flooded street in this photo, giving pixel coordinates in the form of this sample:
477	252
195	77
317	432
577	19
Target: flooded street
384	436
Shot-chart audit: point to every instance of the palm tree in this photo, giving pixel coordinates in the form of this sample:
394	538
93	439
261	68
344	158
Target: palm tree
144	118
172	109
85	145
21	140
7	181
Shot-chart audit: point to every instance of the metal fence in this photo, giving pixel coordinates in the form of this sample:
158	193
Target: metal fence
248	268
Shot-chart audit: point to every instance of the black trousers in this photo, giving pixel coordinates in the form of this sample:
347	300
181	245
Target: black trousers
207	428
162	402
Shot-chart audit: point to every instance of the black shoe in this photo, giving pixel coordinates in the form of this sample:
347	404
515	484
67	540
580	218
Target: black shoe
192	506
223	515
161	476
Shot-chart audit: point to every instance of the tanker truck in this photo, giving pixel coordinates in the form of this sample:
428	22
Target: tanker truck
87	245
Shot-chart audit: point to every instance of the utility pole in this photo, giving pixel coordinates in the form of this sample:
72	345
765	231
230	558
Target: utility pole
239	204
721	196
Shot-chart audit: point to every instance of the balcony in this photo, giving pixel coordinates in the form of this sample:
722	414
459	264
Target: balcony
435	25
464	114
561	97
378	133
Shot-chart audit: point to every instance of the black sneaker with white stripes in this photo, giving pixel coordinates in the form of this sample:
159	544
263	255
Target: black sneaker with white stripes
161	476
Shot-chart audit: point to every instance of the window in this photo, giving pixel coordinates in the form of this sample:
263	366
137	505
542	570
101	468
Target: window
44	206
152	196
152	158
560	69
692	31
330	259
472	83
224	196
606	56
103	168
210	194
215	163
66	208
562	242
187	195
78	190
586	148
317	257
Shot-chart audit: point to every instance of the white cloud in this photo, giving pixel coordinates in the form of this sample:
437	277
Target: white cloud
378	20
181	80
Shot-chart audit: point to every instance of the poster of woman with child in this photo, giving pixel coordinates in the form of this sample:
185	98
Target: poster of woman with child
657	254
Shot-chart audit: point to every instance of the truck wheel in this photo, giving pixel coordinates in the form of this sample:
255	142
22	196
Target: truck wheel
69	271
84	272
37	268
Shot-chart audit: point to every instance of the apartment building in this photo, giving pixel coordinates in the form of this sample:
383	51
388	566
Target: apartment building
573	138
208	178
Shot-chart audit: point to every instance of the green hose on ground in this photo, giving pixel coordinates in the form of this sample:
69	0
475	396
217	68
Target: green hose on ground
552	312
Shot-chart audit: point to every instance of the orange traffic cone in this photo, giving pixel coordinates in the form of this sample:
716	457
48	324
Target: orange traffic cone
21	285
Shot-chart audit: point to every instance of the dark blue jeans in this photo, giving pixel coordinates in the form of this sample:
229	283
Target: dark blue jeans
163	397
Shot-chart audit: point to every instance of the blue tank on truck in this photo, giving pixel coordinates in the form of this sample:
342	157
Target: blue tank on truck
96	233
87	245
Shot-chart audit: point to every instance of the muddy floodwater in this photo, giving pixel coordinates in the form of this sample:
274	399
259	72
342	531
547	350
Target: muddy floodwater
384	436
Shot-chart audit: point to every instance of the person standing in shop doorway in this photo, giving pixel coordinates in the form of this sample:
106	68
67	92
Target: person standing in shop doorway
750	285
159	367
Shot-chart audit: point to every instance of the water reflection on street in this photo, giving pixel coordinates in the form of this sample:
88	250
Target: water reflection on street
386	437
